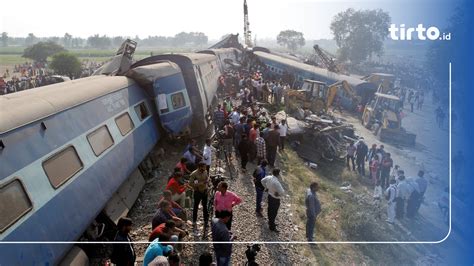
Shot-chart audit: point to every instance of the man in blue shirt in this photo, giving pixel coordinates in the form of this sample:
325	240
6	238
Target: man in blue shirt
220	233
313	208
258	175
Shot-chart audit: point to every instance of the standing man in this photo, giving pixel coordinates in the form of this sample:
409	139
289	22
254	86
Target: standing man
258	175
228	140
351	149
283	131
207	155
253	134
387	164
416	198
275	192
361	153
273	140
199	182
261	148
218	118
123	254
390	195
225	200
404	191
244	150
313	208
220	233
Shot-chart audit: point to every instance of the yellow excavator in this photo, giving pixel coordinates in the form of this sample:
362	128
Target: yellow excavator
317	96
347	93
382	115
312	96
386	82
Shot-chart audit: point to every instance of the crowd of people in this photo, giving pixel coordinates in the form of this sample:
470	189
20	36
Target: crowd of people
249	134
404	195
32	75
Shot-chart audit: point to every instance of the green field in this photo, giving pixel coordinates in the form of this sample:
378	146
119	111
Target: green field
12	55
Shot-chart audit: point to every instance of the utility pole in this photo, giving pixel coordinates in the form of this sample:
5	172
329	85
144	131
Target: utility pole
247	32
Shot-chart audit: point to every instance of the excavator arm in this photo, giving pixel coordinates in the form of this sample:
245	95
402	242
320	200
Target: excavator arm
333	89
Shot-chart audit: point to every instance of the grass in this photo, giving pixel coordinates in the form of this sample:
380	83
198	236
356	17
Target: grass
12	55
344	216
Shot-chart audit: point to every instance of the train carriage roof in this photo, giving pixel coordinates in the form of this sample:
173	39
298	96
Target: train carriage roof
305	67
146	74
195	58
21	108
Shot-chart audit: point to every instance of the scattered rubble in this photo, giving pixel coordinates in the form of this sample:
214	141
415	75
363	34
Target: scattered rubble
319	137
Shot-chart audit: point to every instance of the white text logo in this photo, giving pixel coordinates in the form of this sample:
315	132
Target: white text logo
432	33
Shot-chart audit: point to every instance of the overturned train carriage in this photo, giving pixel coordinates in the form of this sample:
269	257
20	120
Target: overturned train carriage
296	72
66	150
227	57
164	83
200	73
69	152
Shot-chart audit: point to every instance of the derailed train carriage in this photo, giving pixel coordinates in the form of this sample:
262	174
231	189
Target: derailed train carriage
69	152
296	72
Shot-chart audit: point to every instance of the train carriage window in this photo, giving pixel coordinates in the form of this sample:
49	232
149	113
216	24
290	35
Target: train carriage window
124	123
100	140
177	100
142	111
14	203
62	166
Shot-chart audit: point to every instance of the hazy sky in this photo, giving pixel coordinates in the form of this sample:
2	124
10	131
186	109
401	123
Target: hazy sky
213	17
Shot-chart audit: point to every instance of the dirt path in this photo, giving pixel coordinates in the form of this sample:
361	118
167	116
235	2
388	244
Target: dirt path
246	226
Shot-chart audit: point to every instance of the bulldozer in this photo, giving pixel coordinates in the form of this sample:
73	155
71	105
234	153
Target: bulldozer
382	115
348	97
311	96
317	97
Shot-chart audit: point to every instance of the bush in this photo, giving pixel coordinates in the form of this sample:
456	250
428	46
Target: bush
359	225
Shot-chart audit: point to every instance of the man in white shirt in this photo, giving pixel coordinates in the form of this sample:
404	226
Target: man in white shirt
235	116
275	193
391	194
283	130
207	155
404	190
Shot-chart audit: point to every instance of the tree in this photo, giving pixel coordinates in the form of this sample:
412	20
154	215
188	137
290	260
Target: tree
42	50
31	39
117	41
360	34
291	39
65	63
67	40
4	39
101	42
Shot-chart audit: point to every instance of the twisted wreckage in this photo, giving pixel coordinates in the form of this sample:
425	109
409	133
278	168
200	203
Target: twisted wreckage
319	138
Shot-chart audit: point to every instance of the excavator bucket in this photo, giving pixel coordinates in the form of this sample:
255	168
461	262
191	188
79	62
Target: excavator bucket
397	136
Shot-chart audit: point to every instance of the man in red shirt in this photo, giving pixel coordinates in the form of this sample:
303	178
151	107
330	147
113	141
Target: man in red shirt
182	166
177	188
169	228
225	200
253	133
